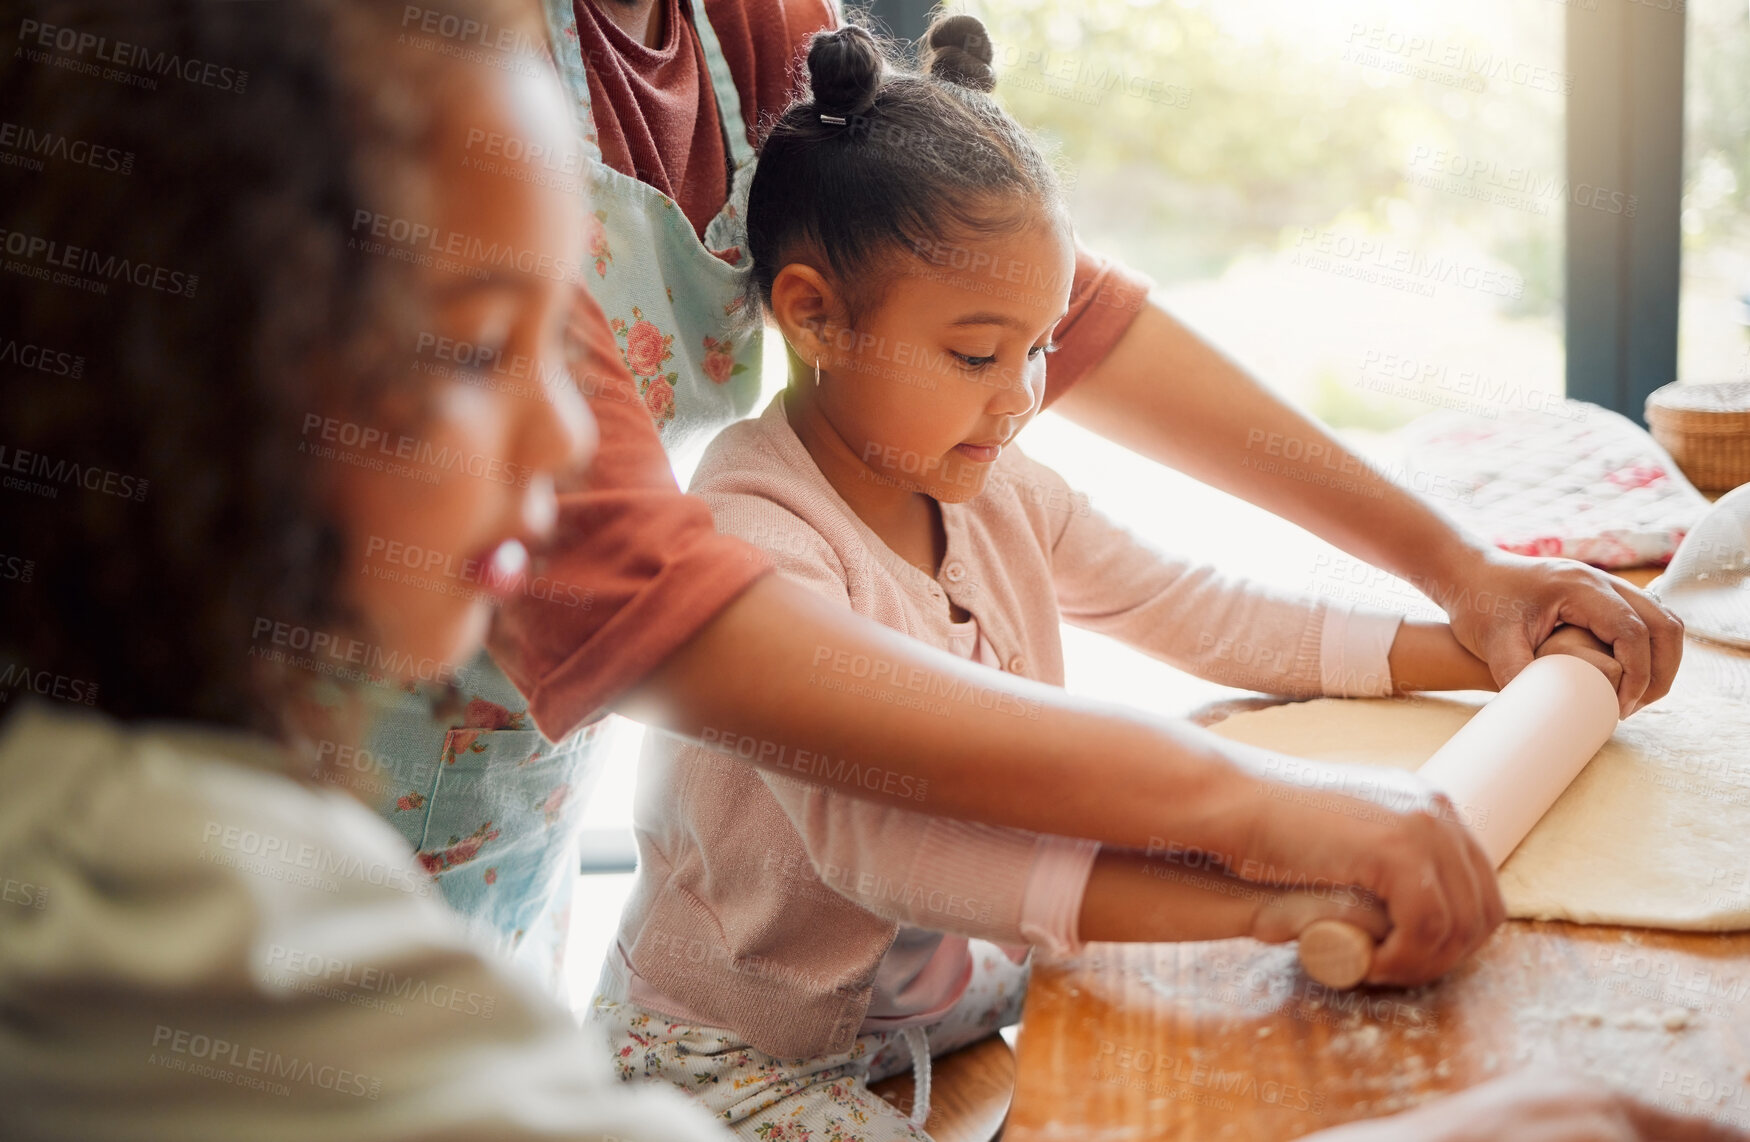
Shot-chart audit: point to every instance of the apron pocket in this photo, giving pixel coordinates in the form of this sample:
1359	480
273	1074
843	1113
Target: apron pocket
502	821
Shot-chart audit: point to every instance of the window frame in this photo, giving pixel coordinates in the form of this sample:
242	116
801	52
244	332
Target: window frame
1625	129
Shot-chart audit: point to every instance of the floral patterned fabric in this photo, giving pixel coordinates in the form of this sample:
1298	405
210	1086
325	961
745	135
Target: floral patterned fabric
490	806
823	1099
492	809
1567	479
677	305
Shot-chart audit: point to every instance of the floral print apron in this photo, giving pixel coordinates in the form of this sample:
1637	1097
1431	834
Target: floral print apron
676	305
492	808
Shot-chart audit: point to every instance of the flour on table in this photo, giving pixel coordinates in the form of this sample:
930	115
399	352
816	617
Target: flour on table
1654	832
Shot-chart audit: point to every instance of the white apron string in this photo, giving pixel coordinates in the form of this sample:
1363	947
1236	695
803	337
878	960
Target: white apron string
918	1041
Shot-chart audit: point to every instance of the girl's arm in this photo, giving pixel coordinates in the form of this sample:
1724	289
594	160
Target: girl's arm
1226	629
1135	898
1195	616
1428	656
1171	396
1020	753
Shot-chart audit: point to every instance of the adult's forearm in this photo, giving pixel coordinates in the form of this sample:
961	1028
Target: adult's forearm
807	689
1167	394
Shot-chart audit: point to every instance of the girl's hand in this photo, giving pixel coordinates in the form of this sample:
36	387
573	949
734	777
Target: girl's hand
1283	916
1580	642
1538	1105
1526	597
1391	835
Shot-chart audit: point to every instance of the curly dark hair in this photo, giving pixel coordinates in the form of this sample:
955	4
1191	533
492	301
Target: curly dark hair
177	291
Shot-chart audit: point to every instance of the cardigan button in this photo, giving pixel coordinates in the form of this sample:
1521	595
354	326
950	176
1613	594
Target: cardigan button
1017	664
955	571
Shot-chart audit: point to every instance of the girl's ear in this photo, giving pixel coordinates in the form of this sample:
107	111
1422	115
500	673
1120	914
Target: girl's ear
807	309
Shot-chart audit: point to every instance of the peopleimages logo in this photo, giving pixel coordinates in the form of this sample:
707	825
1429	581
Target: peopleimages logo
377	448
419	239
70	472
16	676
1518	187
1379	261
244	1065
887	673
820	767
334	977
1449	63
26	146
1120	1064
341	656
45	256
126	61
270	853
25	355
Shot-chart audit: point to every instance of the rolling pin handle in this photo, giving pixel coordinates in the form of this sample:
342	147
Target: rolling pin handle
1336	954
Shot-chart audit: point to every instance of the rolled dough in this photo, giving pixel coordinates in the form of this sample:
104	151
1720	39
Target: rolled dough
1655	831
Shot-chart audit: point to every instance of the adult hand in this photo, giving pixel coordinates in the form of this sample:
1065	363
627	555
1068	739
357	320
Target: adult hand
1504	608
1537	1105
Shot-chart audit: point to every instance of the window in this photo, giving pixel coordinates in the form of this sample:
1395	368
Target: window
1714	309
1362	201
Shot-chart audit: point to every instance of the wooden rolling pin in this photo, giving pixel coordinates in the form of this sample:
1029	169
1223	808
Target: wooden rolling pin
1502	771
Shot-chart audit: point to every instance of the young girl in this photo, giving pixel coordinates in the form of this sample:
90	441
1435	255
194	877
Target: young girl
202	935
785	944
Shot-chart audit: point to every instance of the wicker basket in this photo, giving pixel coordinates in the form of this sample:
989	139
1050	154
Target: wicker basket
1706	428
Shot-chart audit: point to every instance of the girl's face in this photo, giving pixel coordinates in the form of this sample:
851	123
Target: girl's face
440	505
931	385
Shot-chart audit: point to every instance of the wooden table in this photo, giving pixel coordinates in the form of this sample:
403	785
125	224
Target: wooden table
970	1092
1230	1039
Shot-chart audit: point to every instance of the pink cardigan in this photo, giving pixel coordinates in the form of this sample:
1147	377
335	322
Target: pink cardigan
766	903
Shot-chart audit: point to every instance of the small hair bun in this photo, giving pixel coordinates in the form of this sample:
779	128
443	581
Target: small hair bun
960	52
844	70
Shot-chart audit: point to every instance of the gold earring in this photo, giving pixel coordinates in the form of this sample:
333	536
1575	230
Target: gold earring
817	372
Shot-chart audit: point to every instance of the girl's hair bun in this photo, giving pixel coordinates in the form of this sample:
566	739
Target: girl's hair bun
844	70
959	52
